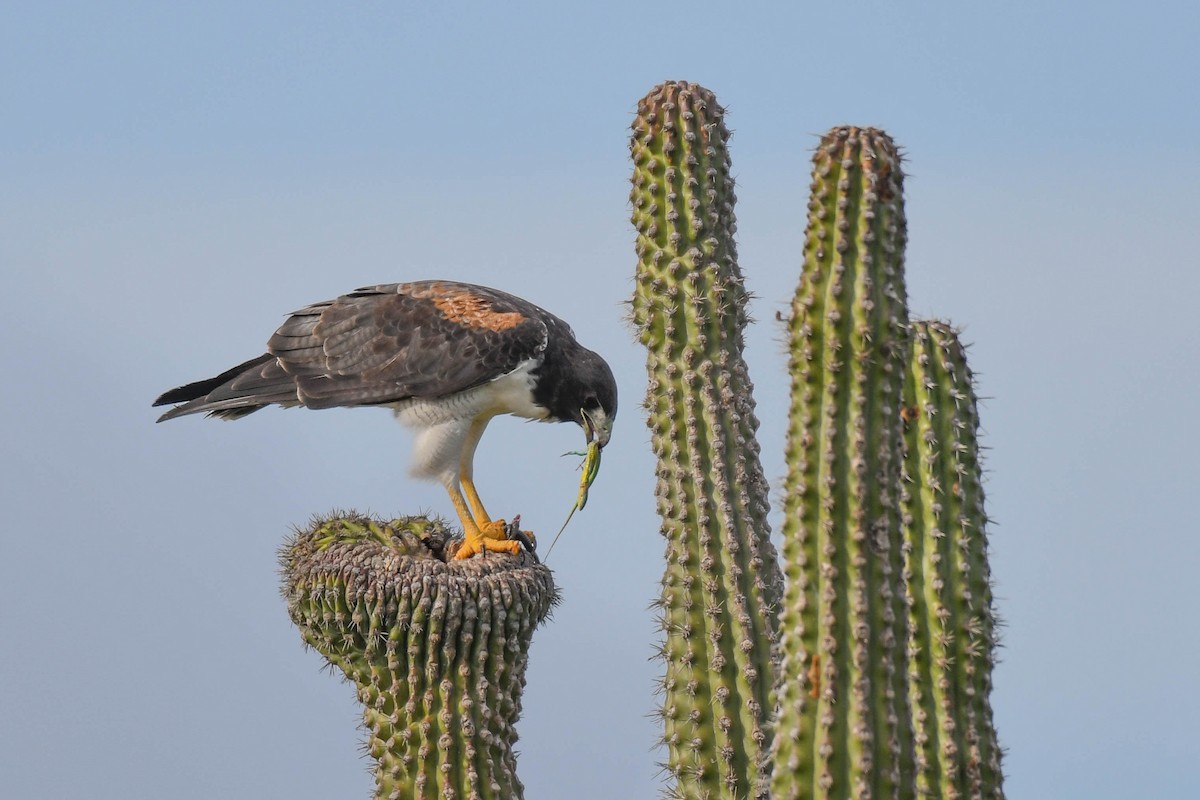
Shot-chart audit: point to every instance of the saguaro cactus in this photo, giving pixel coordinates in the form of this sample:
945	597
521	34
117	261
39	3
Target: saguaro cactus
869	676
951	626
722	582
843	729
436	649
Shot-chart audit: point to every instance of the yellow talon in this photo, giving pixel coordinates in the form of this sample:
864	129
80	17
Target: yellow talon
494	529
481	533
490	536
479	544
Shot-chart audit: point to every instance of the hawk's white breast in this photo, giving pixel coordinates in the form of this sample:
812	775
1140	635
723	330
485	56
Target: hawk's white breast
443	424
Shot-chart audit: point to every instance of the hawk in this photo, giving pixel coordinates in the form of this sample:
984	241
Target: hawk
446	357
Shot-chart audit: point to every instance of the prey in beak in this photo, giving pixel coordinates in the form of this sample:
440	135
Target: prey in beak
597	427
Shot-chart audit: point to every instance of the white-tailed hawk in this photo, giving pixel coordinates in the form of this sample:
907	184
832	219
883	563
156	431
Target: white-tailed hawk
446	356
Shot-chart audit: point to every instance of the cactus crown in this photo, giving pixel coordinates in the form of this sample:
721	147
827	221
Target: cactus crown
436	649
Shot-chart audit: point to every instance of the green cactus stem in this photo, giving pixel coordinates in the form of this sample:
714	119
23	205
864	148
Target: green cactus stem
437	649
722	583
843	729
951	626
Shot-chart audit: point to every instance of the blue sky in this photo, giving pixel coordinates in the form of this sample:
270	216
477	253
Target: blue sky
177	177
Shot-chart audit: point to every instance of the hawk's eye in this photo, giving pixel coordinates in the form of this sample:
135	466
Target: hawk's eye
590	401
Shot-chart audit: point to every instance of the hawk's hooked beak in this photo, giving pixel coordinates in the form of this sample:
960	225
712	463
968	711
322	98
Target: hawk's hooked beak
597	426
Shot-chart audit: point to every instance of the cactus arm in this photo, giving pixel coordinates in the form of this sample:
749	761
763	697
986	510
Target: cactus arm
951	624
722	584
843	725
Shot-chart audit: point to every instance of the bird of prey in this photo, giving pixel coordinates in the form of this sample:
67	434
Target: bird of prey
445	356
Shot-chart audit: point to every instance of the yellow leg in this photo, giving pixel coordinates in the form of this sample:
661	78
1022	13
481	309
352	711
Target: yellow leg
466	470
488	528
490	537
477	510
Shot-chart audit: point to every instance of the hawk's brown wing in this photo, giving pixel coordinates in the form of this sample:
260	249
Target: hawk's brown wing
386	343
378	345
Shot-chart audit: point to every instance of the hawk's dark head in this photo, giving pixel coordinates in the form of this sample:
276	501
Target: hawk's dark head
581	389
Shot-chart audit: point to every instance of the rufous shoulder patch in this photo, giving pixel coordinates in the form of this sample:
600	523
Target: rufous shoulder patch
475	312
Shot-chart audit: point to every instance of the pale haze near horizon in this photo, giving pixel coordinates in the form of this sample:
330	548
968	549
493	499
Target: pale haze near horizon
178	179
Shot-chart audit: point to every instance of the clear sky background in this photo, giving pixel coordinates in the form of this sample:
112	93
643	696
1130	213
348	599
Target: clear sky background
178	176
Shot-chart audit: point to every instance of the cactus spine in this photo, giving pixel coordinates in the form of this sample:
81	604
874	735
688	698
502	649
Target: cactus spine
843	728
437	650
722	583
951	627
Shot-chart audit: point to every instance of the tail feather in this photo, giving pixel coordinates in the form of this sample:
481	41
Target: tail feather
234	393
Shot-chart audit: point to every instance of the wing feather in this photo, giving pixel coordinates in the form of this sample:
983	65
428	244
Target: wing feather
379	344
